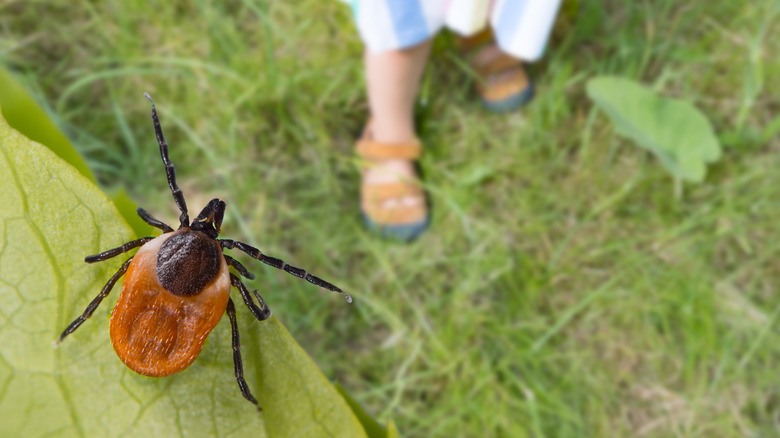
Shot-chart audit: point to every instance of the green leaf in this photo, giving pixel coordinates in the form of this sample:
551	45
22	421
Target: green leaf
674	130
52	217
296	398
392	431
370	425
24	115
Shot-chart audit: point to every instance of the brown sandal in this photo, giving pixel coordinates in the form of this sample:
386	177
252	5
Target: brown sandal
402	222
503	84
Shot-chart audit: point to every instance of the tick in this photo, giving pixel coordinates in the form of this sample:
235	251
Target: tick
177	286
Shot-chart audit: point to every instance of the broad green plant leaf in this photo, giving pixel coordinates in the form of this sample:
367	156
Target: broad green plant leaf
297	399
52	217
24	115
674	130
370	425
392	431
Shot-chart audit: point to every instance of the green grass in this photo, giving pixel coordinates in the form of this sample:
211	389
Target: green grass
562	291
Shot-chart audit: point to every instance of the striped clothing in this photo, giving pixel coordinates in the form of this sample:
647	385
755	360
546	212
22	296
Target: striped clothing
521	27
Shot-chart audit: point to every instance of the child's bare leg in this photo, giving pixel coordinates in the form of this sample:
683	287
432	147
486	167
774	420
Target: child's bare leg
393	80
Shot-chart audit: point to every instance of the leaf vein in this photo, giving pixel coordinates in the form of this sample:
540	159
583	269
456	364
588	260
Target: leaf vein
60	282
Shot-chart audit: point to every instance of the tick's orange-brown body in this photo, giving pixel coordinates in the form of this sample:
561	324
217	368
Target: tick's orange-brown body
156	332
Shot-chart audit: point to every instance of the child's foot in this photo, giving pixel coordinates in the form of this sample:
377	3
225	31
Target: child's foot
392	201
503	84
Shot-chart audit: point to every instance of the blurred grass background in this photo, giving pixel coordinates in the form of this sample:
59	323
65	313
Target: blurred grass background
562	290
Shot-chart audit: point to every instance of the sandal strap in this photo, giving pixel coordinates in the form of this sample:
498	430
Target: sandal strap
379	193
473	45
496	65
373	150
515	81
469	43
399	215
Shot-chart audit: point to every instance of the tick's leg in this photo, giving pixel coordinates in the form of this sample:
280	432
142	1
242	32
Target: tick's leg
239	267
280	264
96	302
231	313
116	251
152	221
260	313
178	196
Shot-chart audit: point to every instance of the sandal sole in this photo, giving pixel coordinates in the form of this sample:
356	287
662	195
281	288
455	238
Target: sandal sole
510	103
404	233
